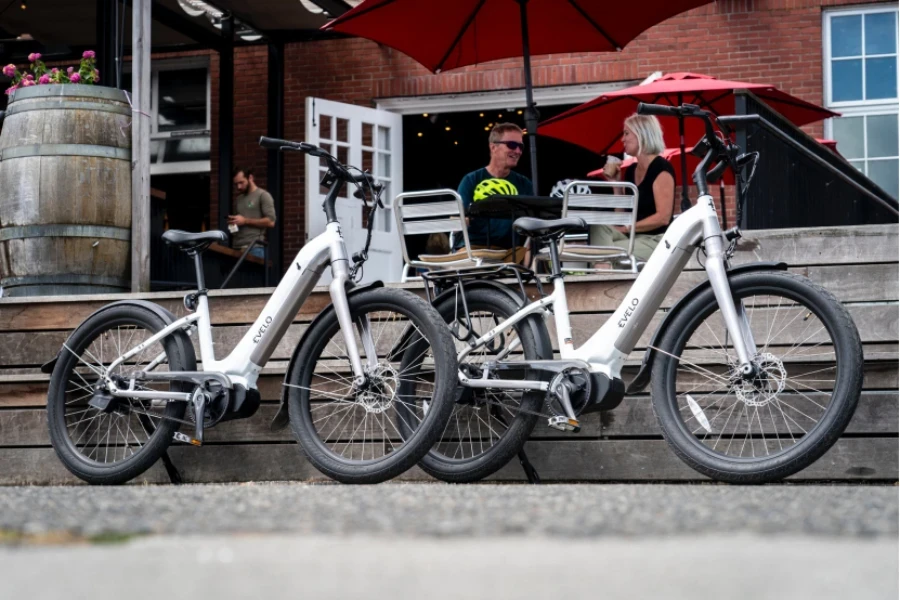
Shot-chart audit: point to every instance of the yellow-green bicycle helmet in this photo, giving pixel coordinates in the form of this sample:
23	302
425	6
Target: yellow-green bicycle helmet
492	187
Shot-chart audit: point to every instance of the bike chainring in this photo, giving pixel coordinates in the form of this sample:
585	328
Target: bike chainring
579	382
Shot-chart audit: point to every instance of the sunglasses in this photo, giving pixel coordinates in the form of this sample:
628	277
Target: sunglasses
513	145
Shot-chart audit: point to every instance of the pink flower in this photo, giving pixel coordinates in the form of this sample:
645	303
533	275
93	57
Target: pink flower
88	54
34	57
27	83
44	79
74	77
96	75
70	70
9	70
29	77
54	70
11	89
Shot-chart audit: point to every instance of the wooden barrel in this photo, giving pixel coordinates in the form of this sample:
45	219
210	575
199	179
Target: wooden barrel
65	191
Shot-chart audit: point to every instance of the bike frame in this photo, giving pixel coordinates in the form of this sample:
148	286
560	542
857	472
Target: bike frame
606	351
244	363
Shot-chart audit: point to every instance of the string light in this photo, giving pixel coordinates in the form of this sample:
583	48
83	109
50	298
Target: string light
480	114
447	128
518	112
24	5
419	134
424	114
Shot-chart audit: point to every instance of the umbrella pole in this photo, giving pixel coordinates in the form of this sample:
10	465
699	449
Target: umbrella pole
531	116
685	201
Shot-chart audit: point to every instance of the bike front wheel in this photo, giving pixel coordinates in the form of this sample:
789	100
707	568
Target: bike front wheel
348	429
808	380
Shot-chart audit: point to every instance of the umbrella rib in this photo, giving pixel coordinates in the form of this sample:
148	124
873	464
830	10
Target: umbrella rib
462	32
594	24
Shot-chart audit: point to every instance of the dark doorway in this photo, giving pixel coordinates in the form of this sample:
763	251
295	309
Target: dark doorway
439	149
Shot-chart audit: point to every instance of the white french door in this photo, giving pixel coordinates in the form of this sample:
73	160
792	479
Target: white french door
372	140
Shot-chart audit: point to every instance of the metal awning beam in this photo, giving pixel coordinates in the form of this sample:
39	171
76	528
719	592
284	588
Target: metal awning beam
335	8
183	25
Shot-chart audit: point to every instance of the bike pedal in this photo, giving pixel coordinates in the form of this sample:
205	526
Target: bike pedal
564	424
180	437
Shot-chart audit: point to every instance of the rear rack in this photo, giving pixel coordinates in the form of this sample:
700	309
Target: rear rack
447	278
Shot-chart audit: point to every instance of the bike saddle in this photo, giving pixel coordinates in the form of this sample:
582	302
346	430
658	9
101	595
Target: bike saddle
193	241
547	228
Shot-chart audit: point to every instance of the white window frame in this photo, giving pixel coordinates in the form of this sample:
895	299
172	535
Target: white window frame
192	166
857	108
826	54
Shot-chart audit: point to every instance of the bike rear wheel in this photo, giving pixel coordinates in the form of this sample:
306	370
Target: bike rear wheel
348	431
115	443
487	428
762	429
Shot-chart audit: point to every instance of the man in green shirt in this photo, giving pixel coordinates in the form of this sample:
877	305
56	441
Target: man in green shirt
254	212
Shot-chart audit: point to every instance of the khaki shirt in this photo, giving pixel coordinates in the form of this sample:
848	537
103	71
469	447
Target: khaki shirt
255	205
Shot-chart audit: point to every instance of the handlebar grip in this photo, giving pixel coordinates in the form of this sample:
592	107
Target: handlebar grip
277	144
658	109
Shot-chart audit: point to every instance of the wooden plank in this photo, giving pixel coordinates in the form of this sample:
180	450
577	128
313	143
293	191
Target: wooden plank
854	459
876	414
30	389
820	245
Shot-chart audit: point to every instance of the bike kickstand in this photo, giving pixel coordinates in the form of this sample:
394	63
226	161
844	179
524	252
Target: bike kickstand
171	469
530	472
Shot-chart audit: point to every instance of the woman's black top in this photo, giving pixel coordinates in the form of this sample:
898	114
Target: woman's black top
646	200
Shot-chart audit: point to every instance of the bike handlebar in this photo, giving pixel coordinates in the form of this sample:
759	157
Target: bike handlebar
659	110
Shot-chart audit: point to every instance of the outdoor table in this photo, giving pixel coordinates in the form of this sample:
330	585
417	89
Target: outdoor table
513	207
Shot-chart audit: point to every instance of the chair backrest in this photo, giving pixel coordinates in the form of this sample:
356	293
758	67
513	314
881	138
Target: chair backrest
430	211
606	203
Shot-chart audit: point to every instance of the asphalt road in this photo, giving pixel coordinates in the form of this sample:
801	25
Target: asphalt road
406	540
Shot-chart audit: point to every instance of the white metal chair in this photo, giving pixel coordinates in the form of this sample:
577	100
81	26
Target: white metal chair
431	211
616	207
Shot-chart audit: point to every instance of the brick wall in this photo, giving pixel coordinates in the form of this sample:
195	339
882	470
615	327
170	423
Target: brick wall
771	41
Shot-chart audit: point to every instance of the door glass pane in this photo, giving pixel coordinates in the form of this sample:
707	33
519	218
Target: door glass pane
368	160
342	130
848	131
881	135
859	164
384	165
881	78
325	127
367	132
182	100
846	80
881	33
384	138
885	173
846	36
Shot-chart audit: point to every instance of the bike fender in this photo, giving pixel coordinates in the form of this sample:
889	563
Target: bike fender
181	337
541	335
281	420
643	377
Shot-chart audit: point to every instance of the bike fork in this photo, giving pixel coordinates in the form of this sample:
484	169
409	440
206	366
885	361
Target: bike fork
338	292
734	316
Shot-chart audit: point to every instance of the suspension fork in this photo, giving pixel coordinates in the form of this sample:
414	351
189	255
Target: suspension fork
735	317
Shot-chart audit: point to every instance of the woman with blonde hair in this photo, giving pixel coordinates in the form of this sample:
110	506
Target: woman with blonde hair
654	177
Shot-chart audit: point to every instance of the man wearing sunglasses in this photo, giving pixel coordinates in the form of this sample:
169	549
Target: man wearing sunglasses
506	147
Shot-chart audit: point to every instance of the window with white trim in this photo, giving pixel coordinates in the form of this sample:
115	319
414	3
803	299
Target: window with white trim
861	83
179	116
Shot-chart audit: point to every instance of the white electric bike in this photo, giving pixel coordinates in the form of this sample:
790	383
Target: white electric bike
126	380
755	372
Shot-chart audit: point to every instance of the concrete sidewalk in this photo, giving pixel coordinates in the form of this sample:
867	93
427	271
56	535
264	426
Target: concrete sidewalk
405	540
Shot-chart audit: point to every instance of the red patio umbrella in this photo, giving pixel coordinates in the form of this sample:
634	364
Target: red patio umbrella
451	34
597	124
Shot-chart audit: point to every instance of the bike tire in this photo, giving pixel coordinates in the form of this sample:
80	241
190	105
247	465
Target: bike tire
68	386
404	452
781	400
469	424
